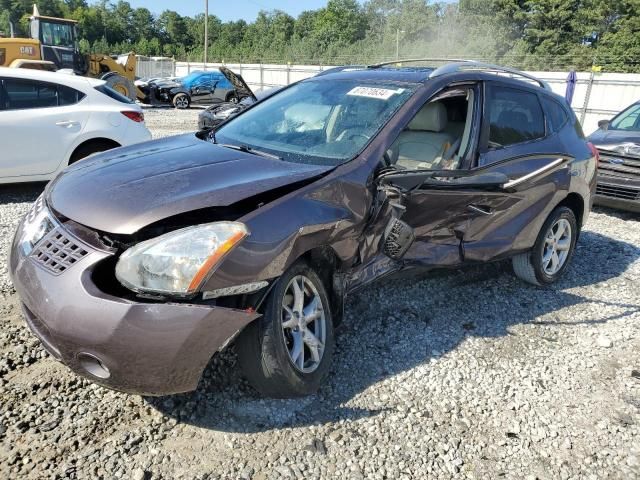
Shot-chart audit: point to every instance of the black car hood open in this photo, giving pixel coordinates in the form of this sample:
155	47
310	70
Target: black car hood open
124	190
238	83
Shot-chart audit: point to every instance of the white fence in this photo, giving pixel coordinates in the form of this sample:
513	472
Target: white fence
597	96
155	67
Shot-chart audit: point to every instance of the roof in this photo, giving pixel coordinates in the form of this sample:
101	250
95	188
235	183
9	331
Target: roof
55	77
386	71
394	74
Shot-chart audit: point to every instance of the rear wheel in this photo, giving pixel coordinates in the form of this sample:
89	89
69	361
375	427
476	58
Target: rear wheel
181	101
552	251
90	148
287	352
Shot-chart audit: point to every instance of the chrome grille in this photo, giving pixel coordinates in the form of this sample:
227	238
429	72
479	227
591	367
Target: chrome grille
619	165
624	193
58	251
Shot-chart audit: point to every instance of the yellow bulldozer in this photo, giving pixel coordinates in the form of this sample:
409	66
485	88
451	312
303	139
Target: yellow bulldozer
54	46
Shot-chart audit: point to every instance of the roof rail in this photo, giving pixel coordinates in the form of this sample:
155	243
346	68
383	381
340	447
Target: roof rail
338	69
412	60
485	67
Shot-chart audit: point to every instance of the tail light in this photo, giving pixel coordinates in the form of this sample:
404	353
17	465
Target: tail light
594	152
135	116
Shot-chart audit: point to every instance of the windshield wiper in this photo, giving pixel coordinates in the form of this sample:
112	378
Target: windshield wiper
248	149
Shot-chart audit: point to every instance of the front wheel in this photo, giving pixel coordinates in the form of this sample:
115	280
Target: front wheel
552	251
287	352
181	101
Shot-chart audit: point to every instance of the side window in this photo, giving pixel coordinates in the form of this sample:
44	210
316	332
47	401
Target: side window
218	80
68	96
439	136
515	116
23	94
556	115
627	120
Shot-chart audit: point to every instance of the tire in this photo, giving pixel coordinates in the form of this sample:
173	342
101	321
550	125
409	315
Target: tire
538	266
84	151
264	346
120	84
181	101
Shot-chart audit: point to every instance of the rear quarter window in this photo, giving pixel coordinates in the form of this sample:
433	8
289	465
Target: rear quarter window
557	116
68	95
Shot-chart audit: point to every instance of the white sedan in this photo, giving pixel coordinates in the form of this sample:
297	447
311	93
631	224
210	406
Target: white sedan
50	120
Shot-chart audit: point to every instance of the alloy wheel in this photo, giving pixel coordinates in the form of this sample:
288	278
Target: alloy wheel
556	247
303	324
182	102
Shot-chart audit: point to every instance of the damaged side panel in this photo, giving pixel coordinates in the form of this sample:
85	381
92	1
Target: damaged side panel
327	213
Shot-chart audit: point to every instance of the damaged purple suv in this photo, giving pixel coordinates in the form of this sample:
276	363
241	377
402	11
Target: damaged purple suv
137	265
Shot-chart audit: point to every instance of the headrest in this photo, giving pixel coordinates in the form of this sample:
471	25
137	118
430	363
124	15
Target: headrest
432	118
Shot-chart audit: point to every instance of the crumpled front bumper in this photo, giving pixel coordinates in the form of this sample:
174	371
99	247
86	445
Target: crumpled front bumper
143	348
154	96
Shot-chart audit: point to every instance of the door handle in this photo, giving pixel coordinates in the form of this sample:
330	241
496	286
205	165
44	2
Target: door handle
481	209
68	124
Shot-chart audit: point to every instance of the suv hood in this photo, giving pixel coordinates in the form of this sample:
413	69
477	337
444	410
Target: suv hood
126	189
606	139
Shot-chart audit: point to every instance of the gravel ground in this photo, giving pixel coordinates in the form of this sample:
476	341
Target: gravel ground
463	374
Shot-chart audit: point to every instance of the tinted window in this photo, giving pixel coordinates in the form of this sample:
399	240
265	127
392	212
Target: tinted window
25	94
629	119
110	92
22	94
515	116
556	115
68	96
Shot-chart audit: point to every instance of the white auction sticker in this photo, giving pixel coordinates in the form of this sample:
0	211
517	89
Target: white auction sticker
372	92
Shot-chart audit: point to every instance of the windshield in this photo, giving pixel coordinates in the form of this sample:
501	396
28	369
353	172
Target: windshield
628	120
57	34
317	122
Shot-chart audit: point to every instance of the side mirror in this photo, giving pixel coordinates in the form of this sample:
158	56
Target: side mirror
604	124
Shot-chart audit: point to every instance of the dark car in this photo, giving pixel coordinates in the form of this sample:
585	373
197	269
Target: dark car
137	265
618	142
199	87
216	114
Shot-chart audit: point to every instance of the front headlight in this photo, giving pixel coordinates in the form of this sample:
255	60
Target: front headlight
178	262
36	225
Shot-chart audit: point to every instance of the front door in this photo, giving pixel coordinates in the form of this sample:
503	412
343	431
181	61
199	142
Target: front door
475	186
202	89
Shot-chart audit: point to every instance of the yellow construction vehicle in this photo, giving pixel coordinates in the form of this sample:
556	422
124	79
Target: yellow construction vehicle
54	46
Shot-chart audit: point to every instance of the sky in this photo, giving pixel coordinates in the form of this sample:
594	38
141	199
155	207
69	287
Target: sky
229	9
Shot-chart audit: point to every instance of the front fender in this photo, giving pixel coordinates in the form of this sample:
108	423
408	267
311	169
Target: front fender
331	213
